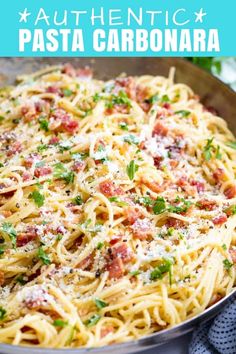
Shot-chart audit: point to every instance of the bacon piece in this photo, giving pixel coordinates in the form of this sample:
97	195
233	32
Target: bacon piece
199	185
54	140
109	189
105	331
132	214
31	159
123	252
206	204
166	105
25	237
54	89
230	192
118	108
83	73
159	129
219	220
126	84
78	166
232	252
32	110
157	161
86	262
176	223
2	278
42	171
36	299
219	175
115	268
142	228
115	239
15	148
154	186
26	176
60	119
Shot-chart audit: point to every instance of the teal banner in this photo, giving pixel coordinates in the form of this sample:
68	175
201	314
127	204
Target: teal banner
117	28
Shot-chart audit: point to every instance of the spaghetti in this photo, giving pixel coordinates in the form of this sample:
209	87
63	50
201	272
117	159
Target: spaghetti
117	208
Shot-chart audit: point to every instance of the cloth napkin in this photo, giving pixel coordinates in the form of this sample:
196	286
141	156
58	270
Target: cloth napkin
217	336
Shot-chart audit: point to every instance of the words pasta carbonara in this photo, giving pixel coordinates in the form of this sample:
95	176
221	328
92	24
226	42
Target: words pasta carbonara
117	208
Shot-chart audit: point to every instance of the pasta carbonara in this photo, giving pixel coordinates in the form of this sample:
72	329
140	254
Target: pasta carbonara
117	208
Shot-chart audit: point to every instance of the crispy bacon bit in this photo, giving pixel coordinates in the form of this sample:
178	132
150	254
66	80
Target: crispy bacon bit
123	252
14	148
115	239
166	105
109	189
142	228
118	108
176	223
78	166
157	161
6	213
219	175
232	252
206	204
160	129
105	331
86	262
154	186
126	84
31	159
25	237
83	73
54	140
42	171
219	220
199	185
230	192
2	278
26	176
36	299
61	120
132	214
32	110
54	89
115	268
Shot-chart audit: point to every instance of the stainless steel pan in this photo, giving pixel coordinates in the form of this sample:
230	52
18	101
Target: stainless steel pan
213	93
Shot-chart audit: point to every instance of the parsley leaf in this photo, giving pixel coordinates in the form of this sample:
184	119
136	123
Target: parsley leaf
165	99
131	139
135	273
43	124
159	271
10	231
123	126
38	198
153	99
78	200
227	264
183	113
159	206
131	169
93	320
60	323
42	255
60	172
42	147
207	152
120	99
100	304
232	144
2	313
67	92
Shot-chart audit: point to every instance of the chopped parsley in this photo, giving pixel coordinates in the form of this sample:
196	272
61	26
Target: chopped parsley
218	153
42	255
100	245
227	264
123	126
2	250
120	99
135	273
146	201
224	247
96	97
67	92
43	124
60	172
60	323
1	119
38	198
100	304
131	169
78	200
165	99
131	139
3	313
42	147
153	99
207	152
161	270
8	229
20	280
93	320
64	146
183	113
159	206
118	201
232	144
